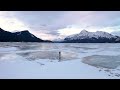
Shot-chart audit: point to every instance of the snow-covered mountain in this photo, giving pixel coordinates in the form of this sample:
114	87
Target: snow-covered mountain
92	37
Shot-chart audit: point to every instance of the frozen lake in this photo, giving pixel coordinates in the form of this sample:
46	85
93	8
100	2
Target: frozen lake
42	60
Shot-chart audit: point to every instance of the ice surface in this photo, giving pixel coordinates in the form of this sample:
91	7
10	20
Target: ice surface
104	61
41	60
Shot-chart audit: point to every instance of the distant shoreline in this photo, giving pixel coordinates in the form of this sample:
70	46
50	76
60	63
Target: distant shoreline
55	42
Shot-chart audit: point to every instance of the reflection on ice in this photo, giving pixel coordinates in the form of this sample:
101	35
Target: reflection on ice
9	57
104	61
1	55
85	48
52	55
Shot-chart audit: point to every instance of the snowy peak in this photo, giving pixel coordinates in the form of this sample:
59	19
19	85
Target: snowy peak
96	34
103	34
91	36
83	31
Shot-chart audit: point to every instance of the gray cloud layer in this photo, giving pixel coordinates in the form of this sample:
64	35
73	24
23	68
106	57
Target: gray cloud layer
43	23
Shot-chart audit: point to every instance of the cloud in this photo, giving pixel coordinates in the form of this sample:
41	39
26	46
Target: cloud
11	23
55	24
44	36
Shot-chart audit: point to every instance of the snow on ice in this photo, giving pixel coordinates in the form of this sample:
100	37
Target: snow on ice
41	60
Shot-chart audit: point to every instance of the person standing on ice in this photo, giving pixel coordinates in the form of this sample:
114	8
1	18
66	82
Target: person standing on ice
59	56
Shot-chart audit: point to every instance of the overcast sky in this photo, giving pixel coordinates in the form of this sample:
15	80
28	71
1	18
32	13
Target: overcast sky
59	24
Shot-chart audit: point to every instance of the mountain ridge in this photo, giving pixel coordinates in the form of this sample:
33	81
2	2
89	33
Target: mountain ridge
83	37
20	36
92	37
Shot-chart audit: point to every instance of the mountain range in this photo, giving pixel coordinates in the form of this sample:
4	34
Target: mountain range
92	37
22	36
83	37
